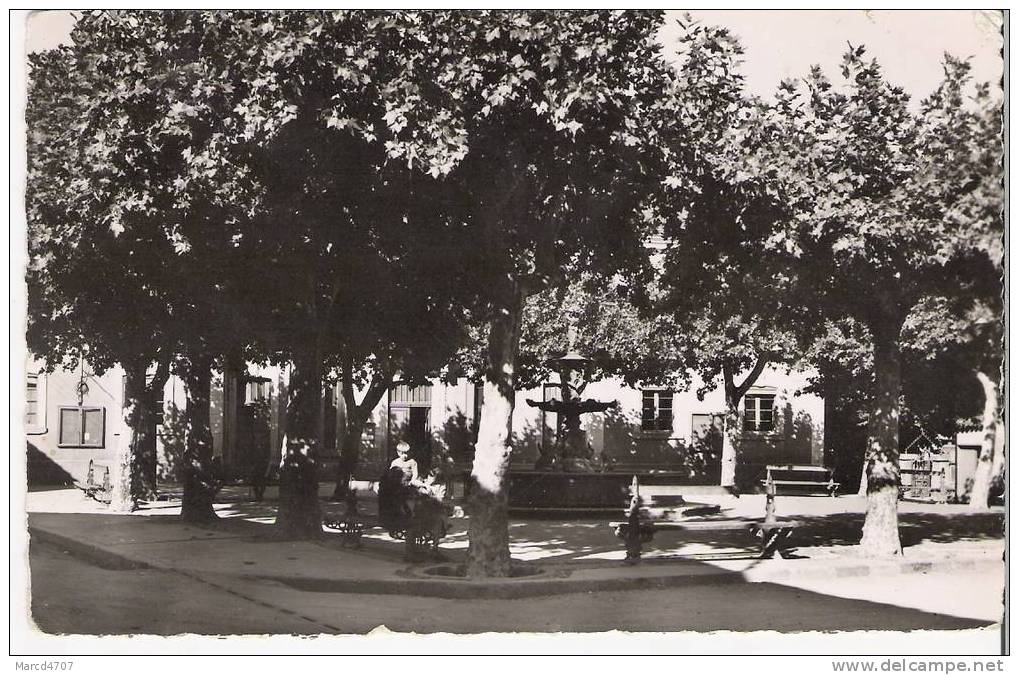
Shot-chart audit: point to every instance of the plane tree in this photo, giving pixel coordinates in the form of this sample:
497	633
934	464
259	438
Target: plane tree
164	128
403	317
350	272
951	348
540	122
93	294
953	353
733	304
304	239
889	204
232	159
152	213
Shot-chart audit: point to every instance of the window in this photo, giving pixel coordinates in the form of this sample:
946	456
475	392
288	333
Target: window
656	410
32	401
35	403
82	427
759	412
405	395
257	390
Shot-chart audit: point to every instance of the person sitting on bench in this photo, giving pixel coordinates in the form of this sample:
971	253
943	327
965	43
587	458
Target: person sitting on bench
410	481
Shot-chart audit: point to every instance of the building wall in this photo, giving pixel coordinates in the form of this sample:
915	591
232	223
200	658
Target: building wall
53	461
615	436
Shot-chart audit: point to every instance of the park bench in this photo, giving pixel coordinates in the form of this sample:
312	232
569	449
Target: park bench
419	519
350	527
802	479
100	491
671	513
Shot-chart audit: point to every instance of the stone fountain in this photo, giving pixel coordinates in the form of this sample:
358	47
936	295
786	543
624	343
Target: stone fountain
568	477
571	451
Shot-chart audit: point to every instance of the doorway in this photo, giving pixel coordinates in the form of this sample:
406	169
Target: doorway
410	412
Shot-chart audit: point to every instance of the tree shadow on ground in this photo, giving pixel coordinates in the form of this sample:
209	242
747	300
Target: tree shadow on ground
594	541
844	529
147	601
569	541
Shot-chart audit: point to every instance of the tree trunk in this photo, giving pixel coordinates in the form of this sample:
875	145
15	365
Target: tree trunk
862	491
488	528
881	525
350	453
148	458
200	479
730	443
998	463
733	435
299	514
127	472
981	491
356	418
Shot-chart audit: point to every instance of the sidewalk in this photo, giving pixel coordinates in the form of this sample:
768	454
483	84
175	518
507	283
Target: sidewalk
569	556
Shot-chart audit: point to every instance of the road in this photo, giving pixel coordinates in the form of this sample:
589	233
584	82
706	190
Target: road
71	595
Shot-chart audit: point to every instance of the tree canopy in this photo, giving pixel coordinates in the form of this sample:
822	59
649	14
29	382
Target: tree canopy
366	195
887	204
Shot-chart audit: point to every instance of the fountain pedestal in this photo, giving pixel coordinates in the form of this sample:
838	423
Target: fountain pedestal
571	452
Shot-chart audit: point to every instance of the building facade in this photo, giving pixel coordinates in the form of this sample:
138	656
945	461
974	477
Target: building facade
74	417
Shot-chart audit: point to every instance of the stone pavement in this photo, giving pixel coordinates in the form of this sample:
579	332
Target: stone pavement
569	556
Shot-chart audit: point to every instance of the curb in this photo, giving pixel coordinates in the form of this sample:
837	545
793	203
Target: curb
879	568
91	552
498	590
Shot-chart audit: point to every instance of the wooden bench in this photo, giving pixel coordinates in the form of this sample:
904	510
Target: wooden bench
643	522
100	491
802	479
350	527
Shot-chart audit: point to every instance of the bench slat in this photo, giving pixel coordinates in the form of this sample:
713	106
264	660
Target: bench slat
802	482
708	525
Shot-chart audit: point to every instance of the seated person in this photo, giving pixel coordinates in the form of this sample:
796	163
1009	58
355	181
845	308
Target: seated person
407	467
397	489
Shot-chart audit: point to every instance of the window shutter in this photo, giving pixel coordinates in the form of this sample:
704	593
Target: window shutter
767	413
92	431
32	401
647	413
665	411
70	426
